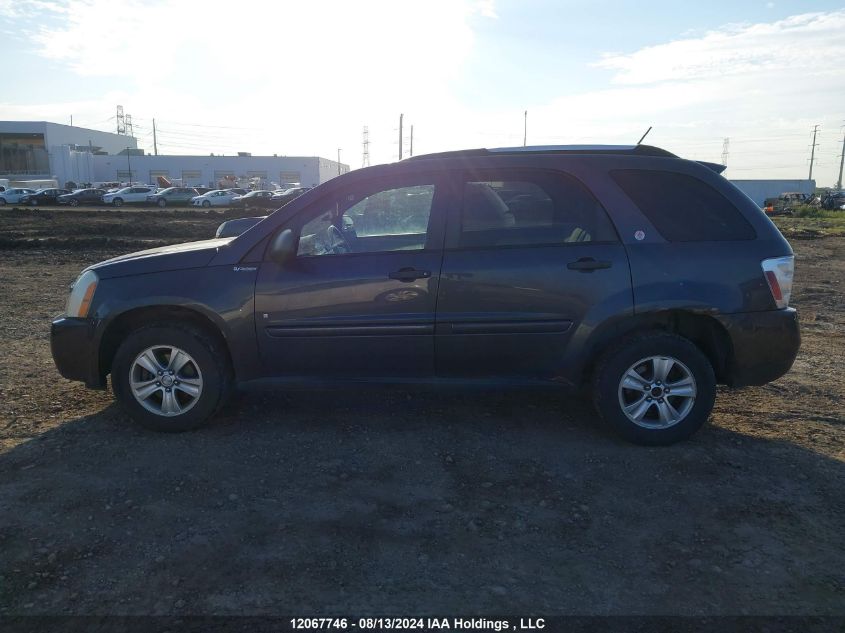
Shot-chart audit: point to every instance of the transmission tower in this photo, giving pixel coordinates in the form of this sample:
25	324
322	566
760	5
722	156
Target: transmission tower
366	155
725	145
130	131
121	124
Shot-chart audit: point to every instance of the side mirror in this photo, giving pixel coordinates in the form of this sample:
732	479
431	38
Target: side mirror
282	247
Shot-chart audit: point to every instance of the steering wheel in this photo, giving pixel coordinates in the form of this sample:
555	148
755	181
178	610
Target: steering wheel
336	241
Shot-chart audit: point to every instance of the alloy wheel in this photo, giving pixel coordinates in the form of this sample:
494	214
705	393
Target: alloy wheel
165	380
657	392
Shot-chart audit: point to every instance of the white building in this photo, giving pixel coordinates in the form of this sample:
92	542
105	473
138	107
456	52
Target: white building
41	150
760	190
206	171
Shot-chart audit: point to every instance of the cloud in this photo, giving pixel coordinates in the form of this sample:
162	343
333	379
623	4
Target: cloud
304	78
774	47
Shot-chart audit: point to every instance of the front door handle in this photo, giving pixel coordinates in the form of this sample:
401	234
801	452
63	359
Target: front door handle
410	274
587	265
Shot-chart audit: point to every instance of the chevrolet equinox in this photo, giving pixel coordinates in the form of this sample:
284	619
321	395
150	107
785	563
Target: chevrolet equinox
625	271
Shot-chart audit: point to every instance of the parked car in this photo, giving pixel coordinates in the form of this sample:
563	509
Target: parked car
254	199
128	195
233	228
833	200
785	203
282	197
13	195
539	266
215	198
82	196
43	196
172	197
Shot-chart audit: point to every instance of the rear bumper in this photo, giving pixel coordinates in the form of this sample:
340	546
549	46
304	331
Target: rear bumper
765	345
74	350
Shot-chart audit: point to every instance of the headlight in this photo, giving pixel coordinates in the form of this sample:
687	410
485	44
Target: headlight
81	294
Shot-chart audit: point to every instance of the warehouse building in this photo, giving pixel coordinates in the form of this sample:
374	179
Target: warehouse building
761	190
192	171
37	150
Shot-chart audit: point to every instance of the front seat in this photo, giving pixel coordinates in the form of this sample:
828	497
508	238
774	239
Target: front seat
484	209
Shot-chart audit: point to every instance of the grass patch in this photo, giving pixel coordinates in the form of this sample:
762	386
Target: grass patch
812	222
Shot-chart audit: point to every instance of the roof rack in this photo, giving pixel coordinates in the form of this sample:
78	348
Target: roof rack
635	150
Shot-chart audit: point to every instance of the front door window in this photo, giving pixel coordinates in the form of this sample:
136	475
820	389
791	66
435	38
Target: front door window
388	220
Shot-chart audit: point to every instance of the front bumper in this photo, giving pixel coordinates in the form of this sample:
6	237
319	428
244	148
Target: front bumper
765	345
75	352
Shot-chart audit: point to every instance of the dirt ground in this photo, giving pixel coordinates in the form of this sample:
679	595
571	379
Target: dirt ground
318	503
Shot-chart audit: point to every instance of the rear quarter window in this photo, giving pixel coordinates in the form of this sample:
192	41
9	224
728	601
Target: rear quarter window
683	208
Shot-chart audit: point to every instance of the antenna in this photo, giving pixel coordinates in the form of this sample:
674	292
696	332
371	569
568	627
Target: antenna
644	135
366	157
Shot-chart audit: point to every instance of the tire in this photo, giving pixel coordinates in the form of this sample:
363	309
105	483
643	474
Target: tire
74	203
162	202
206	367
2	202
118	202
33	203
645	355
206	204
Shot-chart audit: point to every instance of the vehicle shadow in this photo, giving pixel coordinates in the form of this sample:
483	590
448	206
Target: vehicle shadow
407	503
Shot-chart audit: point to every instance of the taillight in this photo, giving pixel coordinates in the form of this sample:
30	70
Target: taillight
778	272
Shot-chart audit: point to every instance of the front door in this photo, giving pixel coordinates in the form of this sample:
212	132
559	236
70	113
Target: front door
530	257
358	300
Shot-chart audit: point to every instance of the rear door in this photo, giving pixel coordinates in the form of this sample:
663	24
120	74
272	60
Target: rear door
530	258
358	300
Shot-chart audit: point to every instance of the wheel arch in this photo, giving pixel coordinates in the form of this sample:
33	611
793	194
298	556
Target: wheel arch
703	330
126	322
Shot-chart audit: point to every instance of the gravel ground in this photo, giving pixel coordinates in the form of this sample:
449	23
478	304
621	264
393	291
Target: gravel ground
403	503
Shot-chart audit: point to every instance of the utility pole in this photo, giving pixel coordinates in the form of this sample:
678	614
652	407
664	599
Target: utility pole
725	145
338	161
813	151
401	116
365	162
121	126
71	120
841	162
412	140
155	145
525	129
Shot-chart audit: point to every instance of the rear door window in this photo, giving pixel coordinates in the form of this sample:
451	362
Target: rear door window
527	208
683	208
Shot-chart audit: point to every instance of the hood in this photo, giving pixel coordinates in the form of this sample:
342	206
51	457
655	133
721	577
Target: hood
161	259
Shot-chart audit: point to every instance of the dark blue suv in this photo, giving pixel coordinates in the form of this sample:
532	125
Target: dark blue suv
626	271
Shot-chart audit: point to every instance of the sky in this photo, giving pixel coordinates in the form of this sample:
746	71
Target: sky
304	78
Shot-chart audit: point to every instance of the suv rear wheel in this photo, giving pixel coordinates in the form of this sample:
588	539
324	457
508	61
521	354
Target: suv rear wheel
654	389
170	378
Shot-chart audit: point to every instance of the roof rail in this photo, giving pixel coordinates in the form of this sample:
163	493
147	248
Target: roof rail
635	150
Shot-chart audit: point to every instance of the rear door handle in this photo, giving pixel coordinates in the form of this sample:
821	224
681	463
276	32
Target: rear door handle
410	274
587	265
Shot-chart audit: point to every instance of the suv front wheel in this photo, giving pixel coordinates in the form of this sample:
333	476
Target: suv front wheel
654	389
170	378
